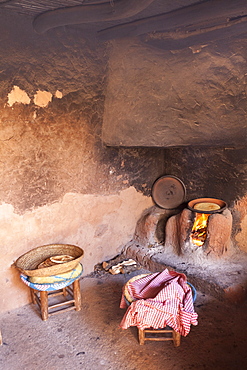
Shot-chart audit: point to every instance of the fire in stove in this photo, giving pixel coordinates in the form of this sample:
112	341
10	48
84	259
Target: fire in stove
193	232
198	234
199	230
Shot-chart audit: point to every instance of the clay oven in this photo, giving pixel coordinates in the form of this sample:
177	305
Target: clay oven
199	230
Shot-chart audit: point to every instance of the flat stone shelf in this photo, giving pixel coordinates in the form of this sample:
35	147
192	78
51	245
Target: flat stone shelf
223	279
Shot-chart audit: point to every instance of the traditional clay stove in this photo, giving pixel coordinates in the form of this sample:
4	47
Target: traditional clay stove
171	233
200	228
203	207
205	224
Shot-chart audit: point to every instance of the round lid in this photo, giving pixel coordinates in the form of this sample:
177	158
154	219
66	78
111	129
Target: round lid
168	192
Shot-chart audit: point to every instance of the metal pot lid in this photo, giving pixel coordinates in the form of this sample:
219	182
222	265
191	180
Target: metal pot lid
168	192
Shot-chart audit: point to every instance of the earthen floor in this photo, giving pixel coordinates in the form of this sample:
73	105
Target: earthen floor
92	340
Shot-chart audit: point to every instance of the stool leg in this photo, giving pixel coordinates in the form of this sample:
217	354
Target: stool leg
32	295
77	295
176	338
44	305
64	292
141	334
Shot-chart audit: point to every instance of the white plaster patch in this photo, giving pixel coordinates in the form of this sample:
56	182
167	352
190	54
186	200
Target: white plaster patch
42	98
18	96
58	94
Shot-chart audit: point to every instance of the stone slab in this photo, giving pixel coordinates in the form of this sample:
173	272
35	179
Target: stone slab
222	279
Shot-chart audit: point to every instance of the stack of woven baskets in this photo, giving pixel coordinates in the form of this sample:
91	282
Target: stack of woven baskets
50	264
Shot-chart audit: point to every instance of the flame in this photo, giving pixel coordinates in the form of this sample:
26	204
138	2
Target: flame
199	230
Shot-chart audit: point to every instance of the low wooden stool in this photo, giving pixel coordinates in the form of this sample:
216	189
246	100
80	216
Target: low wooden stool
40	294
172	335
42	299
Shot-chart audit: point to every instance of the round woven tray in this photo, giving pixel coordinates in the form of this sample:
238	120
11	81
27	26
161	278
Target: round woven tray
28	262
126	291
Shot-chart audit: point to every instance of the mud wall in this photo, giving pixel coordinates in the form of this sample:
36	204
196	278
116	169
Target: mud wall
193	96
58	182
192	102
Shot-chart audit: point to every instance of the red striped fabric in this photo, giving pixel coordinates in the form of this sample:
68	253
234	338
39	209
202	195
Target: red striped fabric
162	299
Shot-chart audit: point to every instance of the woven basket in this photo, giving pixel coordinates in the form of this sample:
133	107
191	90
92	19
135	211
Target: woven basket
126	291
28	262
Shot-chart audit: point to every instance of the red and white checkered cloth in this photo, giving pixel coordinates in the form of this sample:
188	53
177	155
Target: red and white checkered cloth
162	299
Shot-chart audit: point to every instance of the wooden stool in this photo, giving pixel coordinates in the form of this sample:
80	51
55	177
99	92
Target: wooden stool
42	299
172	335
68	289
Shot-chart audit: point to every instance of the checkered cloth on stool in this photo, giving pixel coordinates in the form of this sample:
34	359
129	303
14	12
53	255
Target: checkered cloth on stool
161	299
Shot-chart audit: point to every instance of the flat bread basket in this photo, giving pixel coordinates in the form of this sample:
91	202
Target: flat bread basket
28	263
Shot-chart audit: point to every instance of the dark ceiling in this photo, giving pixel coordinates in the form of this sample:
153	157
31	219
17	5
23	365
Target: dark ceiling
181	22
34	7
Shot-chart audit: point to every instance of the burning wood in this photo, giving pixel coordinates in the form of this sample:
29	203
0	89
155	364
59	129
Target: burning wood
217	231
199	230
118	268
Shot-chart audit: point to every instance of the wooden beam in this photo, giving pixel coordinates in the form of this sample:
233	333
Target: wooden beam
219	11
108	11
181	40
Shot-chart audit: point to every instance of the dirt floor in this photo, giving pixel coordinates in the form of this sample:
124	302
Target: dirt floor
91	339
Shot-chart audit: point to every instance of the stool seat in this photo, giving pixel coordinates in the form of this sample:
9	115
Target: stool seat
41	293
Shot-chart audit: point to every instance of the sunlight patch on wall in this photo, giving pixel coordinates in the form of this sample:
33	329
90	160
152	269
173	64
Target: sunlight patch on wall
42	98
58	94
18	96
100	225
